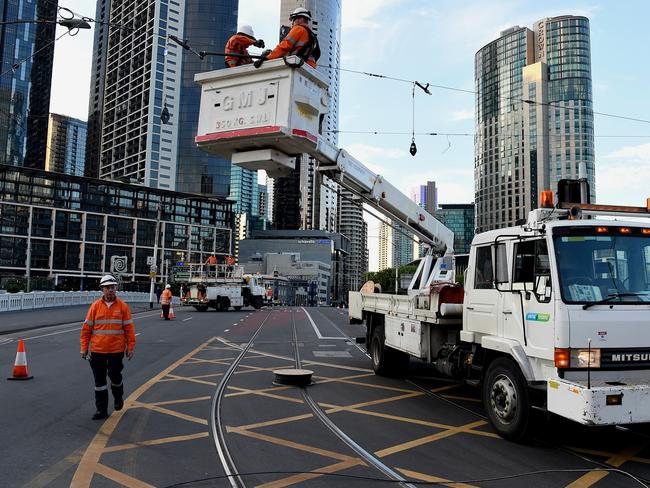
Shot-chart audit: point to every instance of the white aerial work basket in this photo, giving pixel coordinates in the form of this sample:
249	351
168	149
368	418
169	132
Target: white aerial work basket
261	117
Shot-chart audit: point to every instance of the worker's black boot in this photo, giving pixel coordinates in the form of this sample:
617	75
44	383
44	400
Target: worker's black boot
99	415
118	395
101	402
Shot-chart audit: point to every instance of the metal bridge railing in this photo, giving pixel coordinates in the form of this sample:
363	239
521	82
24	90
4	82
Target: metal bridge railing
29	301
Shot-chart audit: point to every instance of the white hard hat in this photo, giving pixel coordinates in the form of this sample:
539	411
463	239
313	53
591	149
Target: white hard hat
168	286
246	29
107	280
300	12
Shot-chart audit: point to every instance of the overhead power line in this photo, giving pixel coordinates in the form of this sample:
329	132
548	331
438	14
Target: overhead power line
474	92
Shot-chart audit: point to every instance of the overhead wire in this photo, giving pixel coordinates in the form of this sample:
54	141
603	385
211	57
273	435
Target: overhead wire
504	97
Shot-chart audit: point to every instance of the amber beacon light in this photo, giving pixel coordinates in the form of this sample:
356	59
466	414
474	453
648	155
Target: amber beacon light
546	199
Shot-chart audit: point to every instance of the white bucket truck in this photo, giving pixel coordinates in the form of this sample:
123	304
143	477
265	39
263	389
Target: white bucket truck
554	313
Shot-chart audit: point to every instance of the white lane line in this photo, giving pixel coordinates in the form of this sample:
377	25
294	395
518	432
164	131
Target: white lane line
188	318
227	330
318	334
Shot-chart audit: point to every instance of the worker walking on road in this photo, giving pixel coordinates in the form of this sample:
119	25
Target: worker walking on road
107	333
166	301
239	44
300	40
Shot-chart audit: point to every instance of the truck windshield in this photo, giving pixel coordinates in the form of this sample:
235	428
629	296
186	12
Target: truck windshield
610	264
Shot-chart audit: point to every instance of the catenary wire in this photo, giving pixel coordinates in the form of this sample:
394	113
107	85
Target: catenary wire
474	92
471	134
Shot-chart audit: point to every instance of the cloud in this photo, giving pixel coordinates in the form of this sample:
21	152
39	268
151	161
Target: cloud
462	114
374	158
361	14
622	176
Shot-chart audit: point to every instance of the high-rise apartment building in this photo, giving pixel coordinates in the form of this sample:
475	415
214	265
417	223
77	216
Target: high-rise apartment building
66	145
395	245
26	57
137	74
352	225
385	246
534	119
460	219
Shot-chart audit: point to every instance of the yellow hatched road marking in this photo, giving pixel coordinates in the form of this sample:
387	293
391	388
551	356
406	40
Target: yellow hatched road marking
429	438
291	444
270	423
191	379
299	478
90	461
172	413
181	378
432	479
157	442
264	394
334	408
121	478
370	385
605	454
180	400
617	460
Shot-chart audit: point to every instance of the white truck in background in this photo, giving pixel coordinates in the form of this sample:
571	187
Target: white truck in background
218	286
554	313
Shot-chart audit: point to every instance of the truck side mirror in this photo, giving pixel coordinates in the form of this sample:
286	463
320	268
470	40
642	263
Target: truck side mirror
543	290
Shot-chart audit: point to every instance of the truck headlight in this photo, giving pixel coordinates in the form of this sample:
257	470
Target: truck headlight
585	358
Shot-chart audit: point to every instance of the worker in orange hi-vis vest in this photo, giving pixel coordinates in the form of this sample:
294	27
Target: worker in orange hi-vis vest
107	333
166	301
299	41
238	44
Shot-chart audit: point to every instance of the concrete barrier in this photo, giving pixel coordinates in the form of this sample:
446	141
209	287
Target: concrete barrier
10	302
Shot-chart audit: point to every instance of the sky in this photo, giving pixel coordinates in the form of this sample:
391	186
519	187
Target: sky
434	41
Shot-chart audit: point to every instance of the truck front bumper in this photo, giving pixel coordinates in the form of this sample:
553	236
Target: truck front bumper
603	403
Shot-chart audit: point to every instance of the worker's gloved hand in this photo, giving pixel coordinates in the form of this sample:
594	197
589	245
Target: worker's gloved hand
258	62
259	43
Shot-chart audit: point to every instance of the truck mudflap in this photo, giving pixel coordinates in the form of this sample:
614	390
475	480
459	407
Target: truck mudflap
604	403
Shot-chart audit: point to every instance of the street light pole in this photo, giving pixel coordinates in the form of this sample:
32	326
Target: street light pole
155	257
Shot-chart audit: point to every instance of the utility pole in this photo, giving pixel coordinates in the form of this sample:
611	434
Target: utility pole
152	270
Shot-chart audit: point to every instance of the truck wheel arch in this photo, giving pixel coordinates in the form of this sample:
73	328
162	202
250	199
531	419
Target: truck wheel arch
495	347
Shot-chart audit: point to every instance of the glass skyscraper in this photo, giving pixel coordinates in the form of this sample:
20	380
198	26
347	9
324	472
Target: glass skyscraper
534	118
137	73
26	56
460	219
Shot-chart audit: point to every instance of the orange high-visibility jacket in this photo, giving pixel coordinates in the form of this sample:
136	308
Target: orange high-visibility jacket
296	39
238	44
211	260
108	329
166	297
230	261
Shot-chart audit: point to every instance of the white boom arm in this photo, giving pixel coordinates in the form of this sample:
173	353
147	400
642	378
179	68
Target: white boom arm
261	118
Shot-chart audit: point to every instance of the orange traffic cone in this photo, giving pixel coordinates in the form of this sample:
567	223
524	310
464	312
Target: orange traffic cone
171	312
20	365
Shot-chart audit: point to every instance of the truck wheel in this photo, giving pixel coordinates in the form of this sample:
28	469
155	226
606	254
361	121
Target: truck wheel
201	308
223	304
505	399
386	361
257	302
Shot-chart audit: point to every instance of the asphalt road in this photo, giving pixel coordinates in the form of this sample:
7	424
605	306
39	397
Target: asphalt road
424	428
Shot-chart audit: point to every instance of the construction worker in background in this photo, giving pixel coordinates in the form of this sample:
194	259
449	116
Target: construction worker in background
230	262
238	44
166	301
211	264
300	40
106	334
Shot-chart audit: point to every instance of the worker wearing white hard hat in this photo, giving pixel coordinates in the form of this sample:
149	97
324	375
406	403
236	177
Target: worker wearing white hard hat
166	301
106	334
299	41
237	46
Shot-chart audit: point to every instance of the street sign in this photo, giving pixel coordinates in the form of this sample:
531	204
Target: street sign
180	263
150	260
153	274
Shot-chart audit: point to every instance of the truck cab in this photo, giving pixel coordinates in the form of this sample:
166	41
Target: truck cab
561	306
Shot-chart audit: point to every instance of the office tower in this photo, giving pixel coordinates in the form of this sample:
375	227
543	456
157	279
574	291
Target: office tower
534	119
395	245
138	74
263	201
66	145
385	246
460	219
26	57
310	200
